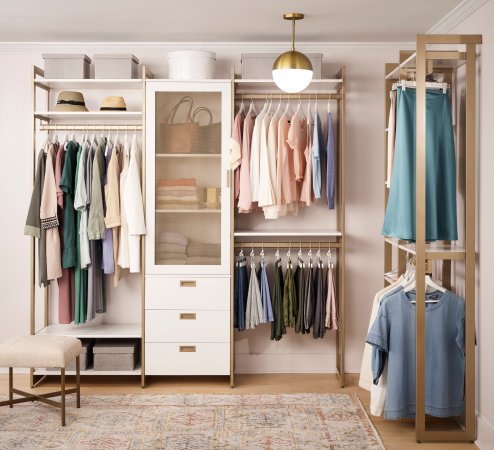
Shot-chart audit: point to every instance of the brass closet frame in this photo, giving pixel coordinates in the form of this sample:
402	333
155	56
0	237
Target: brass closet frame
261	90
422	62
41	122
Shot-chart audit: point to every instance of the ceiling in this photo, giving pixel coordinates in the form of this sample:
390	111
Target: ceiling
217	20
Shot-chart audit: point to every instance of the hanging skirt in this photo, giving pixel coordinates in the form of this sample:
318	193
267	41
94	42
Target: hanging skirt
441	221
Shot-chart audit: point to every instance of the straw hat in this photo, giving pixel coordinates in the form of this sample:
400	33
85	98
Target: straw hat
113	103
70	101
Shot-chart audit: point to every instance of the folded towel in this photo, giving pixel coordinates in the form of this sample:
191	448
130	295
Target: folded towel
203	260
164	247
177	182
189	198
176	193
176	205
203	249
171	262
172	238
170	255
176	188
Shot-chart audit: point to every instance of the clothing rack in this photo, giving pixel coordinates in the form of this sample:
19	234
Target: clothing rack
425	252
318	89
91	127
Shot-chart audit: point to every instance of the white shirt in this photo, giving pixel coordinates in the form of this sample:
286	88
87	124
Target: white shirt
134	209
255	151
80	203
123	259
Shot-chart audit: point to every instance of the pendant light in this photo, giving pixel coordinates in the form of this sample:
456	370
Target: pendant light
292	70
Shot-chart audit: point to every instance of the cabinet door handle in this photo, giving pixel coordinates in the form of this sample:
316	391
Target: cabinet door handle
188	316
187	348
188	283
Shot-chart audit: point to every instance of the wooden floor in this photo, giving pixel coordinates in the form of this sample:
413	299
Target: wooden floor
397	435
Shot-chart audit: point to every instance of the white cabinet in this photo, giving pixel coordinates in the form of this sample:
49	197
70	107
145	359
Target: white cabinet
188	216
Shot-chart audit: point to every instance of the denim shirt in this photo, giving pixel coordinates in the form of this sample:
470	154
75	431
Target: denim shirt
392	336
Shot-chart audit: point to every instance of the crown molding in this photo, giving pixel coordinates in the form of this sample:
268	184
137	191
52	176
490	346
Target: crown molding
234	47
456	16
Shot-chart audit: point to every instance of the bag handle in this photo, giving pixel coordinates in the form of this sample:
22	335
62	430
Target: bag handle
187	99
203	109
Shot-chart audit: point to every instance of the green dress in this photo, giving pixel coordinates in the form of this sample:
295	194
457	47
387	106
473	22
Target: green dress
278	325
299	293
289	297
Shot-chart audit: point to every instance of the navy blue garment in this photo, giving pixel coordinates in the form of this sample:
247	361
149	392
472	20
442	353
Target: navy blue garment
241	290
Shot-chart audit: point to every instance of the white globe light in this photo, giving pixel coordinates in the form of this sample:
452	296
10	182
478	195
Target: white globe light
292	80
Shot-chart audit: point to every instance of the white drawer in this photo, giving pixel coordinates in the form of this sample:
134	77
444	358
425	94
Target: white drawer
197	293
187	326
187	359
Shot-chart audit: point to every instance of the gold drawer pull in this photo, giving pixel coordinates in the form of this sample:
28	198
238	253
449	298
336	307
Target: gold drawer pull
187	283
187	348
188	316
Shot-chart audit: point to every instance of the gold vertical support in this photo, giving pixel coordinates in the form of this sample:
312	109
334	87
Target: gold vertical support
471	142
232	247
420	193
11	386
78	380
62	394
143	238
342	224
32	270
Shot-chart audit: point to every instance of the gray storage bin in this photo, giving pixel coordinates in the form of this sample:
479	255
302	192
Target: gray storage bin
63	65
117	354
86	357
116	66
260	65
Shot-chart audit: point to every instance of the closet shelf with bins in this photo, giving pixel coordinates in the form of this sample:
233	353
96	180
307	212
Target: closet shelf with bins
45	119
416	66
251	230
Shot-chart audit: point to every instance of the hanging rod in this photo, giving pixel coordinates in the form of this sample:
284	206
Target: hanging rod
293	245
91	127
312	96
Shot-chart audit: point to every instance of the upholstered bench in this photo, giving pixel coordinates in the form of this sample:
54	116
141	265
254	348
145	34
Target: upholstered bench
41	352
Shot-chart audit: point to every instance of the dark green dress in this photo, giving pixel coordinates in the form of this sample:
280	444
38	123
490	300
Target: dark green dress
299	290
289	297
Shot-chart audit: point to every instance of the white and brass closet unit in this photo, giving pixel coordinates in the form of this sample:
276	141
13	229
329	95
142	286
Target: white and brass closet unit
45	120
316	226
451	262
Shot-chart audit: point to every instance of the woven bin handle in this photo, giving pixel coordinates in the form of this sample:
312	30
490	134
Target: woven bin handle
187	99
203	109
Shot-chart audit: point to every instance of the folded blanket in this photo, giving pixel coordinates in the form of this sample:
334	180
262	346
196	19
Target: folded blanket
170	247
176	193
187	198
203	249
175	205
170	255
203	260
176	188
172	238
177	182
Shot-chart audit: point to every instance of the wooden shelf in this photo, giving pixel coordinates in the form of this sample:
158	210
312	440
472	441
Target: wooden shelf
131	330
89	115
188	155
432	251
190	211
287	234
326	85
113	84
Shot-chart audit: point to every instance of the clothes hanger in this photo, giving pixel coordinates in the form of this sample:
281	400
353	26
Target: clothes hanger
329	105
309	254
252	261
315	106
330	257
277	254
288	256
279	107
319	259
299	107
242	106
252	108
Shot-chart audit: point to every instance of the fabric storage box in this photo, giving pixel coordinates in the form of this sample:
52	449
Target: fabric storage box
260	65
118	354
116	66
191	65
62	65
86	357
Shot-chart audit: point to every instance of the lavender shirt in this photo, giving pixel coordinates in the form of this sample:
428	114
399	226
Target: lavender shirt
108	261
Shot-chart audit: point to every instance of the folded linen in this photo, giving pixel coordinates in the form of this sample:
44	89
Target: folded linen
170	247
175	205
203	249
189	198
171	262
176	193
170	255
203	260
177	182
172	238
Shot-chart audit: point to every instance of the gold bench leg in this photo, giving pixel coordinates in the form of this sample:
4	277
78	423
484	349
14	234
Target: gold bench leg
62	379
11	386
78	380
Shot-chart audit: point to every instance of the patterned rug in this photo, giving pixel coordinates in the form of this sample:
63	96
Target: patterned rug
193	421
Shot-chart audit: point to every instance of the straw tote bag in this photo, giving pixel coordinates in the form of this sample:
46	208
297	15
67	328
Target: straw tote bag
208	136
179	137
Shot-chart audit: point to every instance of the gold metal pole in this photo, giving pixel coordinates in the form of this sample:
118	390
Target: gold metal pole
420	192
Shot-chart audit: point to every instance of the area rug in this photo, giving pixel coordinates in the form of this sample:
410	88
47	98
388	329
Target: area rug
193	421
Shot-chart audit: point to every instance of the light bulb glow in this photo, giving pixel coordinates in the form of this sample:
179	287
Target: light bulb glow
292	80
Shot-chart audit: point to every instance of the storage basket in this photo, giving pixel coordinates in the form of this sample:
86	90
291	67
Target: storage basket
191	65
208	136
116	66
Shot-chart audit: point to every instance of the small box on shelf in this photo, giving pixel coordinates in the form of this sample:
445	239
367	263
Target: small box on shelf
115	354
63	65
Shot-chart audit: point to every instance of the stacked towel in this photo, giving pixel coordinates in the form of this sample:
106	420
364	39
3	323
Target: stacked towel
181	193
171	248
203	249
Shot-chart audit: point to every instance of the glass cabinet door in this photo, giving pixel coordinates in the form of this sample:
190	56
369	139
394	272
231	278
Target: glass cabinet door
187	188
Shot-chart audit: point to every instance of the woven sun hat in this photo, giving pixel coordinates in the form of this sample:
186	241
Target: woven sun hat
70	101
113	103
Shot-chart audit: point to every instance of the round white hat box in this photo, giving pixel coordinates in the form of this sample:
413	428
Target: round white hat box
191	65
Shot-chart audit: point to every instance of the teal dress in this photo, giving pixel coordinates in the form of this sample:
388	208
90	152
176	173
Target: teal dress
441	220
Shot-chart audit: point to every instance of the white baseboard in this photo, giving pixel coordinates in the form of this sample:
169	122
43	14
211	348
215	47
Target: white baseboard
485	434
